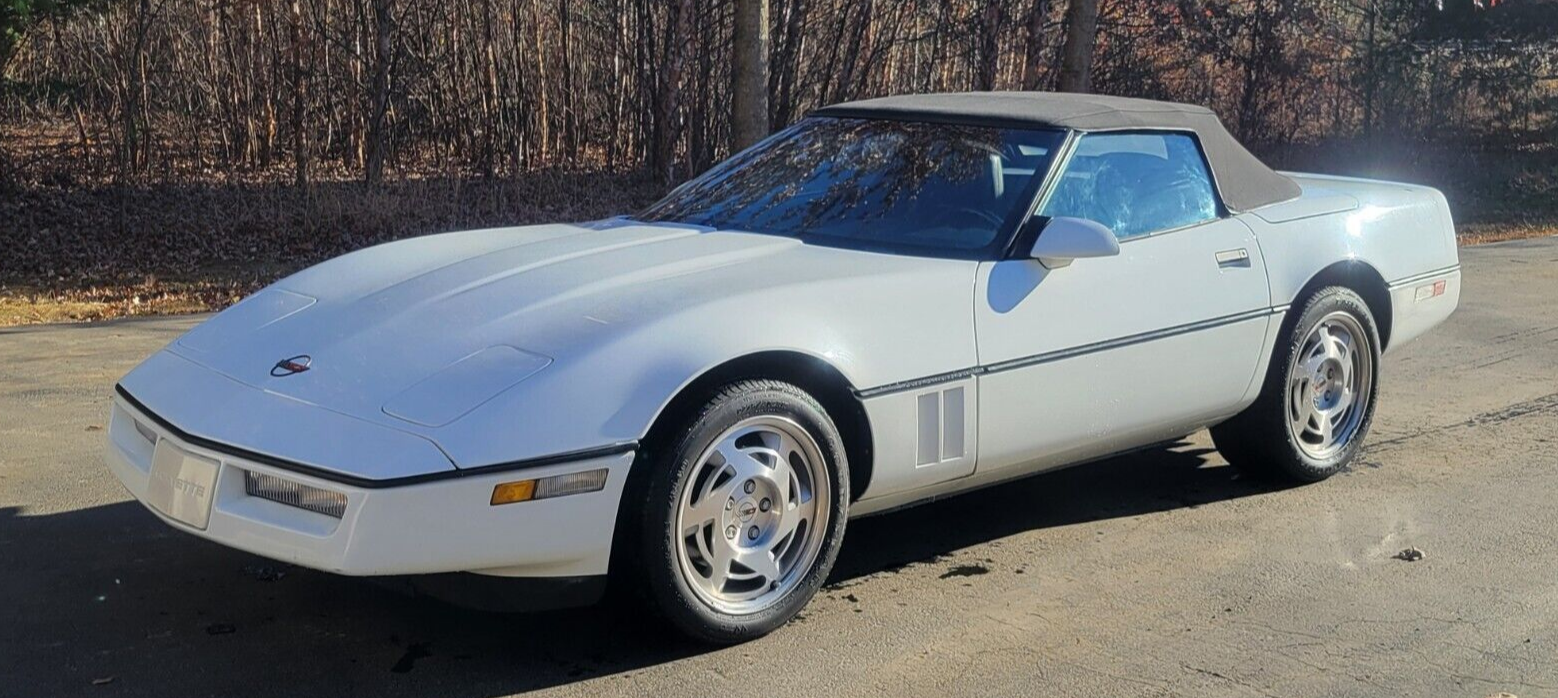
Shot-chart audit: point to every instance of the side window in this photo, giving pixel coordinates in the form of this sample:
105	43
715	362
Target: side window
1136	183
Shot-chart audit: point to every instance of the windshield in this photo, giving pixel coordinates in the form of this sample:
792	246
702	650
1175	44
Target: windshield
872	183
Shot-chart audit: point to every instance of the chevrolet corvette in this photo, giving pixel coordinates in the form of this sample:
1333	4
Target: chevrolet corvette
890	301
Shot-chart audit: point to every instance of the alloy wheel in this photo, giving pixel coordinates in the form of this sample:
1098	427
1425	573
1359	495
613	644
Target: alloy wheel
1329	385
752	514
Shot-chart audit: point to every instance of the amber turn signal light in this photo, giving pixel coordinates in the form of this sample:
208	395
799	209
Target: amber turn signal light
548	487
510	492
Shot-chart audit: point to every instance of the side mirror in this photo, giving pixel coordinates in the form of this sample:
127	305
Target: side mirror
1065	239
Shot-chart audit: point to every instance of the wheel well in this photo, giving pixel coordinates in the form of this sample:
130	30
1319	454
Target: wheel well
1365	281
817	377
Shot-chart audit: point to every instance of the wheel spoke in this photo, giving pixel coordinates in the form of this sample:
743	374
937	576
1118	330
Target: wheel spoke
785	482
1299	405
1335	350
1344	399
711	503
1323	428
719	560
742	460
1347	352
787	525
1316	359
791	519
706	512
1344	343
761	562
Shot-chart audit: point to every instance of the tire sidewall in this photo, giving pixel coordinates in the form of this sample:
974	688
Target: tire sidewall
669	590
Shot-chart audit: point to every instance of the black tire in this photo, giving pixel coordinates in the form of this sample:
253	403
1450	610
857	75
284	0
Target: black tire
658	573
1260	441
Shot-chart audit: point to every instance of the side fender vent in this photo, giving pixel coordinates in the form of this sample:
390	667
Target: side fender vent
941	421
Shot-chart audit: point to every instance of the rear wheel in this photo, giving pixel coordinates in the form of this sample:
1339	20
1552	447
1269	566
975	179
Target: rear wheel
745	514
1318	398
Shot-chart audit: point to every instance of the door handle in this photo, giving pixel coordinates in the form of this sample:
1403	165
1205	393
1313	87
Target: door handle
1233	258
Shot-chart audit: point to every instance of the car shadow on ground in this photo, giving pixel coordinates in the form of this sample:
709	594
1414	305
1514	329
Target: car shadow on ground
108	600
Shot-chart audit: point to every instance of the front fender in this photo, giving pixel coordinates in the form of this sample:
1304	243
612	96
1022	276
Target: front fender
611	391
612	394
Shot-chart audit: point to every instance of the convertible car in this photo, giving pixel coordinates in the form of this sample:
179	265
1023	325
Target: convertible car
890	301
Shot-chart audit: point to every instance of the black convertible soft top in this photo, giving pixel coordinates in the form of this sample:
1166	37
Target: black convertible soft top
1243	180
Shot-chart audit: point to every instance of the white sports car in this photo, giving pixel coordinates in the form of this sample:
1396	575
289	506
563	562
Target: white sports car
890	301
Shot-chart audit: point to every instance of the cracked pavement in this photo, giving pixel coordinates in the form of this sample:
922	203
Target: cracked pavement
1156	574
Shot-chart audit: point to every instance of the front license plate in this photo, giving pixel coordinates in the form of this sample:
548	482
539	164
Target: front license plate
181	484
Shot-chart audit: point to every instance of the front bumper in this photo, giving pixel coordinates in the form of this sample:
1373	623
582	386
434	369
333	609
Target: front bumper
428	527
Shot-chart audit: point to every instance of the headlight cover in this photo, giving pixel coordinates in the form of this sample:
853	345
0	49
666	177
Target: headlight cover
294	494
239	322
464	385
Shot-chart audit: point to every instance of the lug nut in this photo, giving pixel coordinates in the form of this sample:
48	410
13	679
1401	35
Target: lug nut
765	505
752	533
749	486
730	532
730	504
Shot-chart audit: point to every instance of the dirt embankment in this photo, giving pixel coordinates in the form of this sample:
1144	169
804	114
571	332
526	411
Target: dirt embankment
77	253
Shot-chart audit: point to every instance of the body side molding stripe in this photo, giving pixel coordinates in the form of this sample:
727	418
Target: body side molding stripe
922	382
1127	341
368	483
1068	353
1423	276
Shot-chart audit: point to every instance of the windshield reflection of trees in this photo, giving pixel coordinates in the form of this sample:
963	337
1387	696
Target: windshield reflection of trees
838	177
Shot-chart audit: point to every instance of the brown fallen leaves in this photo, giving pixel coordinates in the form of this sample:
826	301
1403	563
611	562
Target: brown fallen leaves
74	251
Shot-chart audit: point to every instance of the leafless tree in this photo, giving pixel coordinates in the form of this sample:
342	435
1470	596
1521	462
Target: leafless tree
1076	68
379	94
1035	56
310	90
749	74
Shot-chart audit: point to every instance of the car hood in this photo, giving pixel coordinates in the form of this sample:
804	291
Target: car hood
423	331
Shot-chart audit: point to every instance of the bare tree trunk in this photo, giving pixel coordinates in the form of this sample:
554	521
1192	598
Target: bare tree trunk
1372	80
519	139
787	64
268	98
7	170
991	21
1076	66
749	74
134	108
868	51
570	117
1256	65
1033	53
545	118
378	110
845	82
619	134
491	97
299	101
668	93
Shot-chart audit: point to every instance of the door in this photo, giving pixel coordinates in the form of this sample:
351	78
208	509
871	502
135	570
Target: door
1112	353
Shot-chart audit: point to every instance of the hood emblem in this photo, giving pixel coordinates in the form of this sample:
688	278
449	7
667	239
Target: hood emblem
292	366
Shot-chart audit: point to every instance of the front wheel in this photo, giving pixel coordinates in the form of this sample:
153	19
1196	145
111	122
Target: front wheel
745	513
1318	399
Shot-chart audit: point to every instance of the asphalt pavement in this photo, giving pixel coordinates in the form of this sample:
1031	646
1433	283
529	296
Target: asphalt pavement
1158	574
